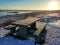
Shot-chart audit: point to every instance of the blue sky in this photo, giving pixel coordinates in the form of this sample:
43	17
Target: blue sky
25	4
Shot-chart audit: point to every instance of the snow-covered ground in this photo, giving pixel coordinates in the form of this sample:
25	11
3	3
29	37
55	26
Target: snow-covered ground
53	33
12	41
52	38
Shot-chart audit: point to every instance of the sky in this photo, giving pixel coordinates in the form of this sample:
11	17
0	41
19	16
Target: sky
30	4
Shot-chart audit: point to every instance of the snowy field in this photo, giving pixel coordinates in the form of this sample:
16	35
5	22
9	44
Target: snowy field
53	33
52	38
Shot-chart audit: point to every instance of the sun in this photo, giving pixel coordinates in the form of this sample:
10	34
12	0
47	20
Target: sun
53	5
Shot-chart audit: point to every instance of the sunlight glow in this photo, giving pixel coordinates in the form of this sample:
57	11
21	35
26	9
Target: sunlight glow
53	5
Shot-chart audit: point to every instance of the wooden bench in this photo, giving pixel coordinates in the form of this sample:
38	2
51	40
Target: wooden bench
37	32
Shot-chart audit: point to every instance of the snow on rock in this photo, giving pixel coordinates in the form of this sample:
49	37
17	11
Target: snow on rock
3	32
13	41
